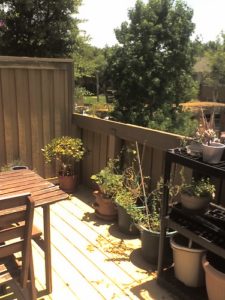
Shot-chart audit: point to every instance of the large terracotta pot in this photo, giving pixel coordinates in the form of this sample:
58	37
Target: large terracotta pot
104	207
215	279
187	261
68	183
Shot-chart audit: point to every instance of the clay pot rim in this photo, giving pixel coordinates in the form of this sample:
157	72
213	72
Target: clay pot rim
207	266
175	245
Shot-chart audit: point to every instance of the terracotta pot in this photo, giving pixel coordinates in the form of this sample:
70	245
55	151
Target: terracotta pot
215	280
104	207
68	183
194	203
212	153
187	261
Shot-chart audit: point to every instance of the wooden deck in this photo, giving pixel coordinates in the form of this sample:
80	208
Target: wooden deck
91	259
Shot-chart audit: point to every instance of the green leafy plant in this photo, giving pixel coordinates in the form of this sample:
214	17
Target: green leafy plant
148	213
143	206
13	163
200	188
66	151
108	179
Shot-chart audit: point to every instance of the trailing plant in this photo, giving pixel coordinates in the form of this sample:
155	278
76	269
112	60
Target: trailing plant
109	179
65	151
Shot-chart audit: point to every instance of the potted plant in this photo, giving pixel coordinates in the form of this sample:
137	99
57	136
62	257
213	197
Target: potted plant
14	165
212	149
146	214
147	217
187	258
108	181
214	267
197	194
65	151
126	197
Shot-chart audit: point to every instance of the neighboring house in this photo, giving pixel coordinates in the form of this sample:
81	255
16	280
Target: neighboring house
202	67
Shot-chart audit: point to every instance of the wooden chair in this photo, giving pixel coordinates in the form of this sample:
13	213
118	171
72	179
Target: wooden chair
18	209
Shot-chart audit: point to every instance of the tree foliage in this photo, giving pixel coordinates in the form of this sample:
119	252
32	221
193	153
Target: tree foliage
215	77
173	119
44	28
153	62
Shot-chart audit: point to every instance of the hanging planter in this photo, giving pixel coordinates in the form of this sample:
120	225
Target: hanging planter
187	257
214	267
213	152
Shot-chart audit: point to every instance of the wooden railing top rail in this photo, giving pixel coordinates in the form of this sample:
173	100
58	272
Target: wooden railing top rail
152	138
11	59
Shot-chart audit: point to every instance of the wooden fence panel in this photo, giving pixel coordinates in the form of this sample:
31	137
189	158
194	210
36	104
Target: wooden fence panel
10	114
106	138
35	106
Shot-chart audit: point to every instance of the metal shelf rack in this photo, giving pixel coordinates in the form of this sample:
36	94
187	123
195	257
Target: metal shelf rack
199	228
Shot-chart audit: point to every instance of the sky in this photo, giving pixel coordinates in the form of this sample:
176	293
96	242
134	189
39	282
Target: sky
103	16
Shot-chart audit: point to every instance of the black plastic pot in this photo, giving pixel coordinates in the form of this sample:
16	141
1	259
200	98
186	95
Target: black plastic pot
150	246
125	222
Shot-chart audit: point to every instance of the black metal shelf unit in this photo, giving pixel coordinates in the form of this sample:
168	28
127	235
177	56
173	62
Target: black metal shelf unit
207	229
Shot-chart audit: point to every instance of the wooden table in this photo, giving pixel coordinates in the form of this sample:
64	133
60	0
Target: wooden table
44	194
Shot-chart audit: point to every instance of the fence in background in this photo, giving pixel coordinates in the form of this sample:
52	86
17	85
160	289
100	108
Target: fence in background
35	106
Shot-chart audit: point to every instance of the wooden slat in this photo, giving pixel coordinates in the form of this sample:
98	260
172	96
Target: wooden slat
103	151
48	115
24	116
27	181
59	102
12	233
10	114
94	255
36	109
2	126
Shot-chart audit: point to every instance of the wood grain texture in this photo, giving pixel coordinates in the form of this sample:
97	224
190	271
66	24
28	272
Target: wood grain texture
35	106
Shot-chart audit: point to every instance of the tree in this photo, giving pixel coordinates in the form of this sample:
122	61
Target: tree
215	77
153	62
44	28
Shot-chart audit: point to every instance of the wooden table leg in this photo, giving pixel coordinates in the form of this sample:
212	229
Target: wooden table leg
47	245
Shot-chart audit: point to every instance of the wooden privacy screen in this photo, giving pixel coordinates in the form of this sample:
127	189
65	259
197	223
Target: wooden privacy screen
35	106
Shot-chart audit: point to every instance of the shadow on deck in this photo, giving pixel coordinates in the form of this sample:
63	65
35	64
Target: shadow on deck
91	259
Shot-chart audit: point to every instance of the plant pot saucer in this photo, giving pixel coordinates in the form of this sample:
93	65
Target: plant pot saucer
105	217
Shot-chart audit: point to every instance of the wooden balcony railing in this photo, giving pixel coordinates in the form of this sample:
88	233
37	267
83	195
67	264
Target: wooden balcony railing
104	139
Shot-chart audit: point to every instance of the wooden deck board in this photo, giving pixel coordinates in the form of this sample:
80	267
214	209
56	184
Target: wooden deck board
91	259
